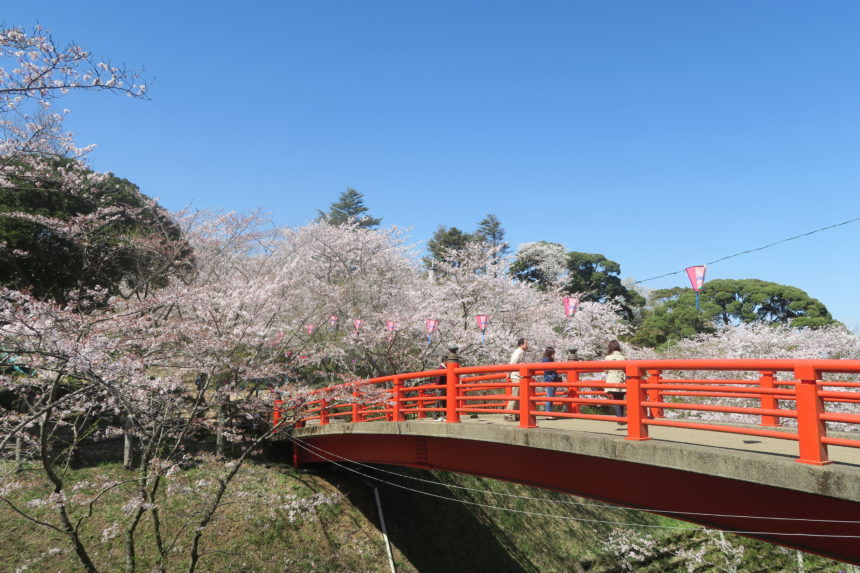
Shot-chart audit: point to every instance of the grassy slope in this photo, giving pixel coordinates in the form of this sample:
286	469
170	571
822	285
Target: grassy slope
428	533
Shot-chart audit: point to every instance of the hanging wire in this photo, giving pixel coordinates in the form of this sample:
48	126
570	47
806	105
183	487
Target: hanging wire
756	249
332	455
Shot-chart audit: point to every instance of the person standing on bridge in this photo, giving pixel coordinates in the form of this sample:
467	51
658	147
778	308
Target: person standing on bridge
617	376
517	357
550	376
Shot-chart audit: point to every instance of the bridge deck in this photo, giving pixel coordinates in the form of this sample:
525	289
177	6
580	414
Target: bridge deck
762	445
751	459
753	444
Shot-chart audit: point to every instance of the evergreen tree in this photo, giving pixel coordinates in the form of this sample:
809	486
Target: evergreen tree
727	302
491	232
446	243
349	206
111	236
598	279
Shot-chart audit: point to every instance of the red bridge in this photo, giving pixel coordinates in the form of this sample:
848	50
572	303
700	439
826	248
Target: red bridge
714	442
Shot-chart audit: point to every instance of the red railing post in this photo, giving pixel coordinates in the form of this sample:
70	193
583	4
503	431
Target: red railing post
572	392
276	413
397	390
636	428
452	387
356	415
323	412
420	394
654	395
527	395
810	427
768	401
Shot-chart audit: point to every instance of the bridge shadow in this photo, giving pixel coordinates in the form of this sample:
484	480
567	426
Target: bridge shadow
433	534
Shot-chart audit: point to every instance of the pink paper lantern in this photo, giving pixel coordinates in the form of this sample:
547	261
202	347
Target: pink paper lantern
696	276
571	305
482	319
391	325
278	339
310	328
356	324
431	324
332	320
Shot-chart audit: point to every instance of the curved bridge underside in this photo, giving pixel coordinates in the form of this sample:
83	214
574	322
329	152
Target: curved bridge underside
818	506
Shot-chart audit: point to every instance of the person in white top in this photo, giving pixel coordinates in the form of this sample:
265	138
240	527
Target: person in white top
517	357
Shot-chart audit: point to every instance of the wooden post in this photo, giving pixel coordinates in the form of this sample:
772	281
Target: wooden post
421	404
768	401
397	391
527	395
324	419
636	428
810	427
452	386
356	416
655	395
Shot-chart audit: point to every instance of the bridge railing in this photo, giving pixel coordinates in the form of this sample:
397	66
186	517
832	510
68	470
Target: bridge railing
797	400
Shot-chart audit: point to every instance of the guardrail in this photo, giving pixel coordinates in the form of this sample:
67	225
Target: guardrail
790	393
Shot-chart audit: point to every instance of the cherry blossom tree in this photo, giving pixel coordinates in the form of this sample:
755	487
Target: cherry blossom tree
44	179
767	341
709	550
138	359
35	71
179	356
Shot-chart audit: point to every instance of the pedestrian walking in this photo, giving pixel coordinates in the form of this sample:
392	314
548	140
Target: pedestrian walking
549	376
517	357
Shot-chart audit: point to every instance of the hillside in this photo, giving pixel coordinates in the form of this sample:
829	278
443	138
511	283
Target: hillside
444	528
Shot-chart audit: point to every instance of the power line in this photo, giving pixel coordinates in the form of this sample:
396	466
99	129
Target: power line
325	453
756	249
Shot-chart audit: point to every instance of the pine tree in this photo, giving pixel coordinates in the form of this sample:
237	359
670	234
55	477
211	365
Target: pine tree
349	206
491	232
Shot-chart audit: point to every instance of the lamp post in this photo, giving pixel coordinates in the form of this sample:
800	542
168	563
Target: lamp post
697	279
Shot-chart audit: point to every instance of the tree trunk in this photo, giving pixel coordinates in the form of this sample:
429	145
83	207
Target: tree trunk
19	452
220	442
128	445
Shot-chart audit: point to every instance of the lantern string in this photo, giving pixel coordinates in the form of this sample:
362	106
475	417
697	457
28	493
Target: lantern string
756	249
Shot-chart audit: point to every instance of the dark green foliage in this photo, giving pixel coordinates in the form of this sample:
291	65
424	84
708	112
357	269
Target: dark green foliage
491	232
597	278
349	206
725	302
134	249
445	243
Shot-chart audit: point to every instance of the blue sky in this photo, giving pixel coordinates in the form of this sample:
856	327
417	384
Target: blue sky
661	134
